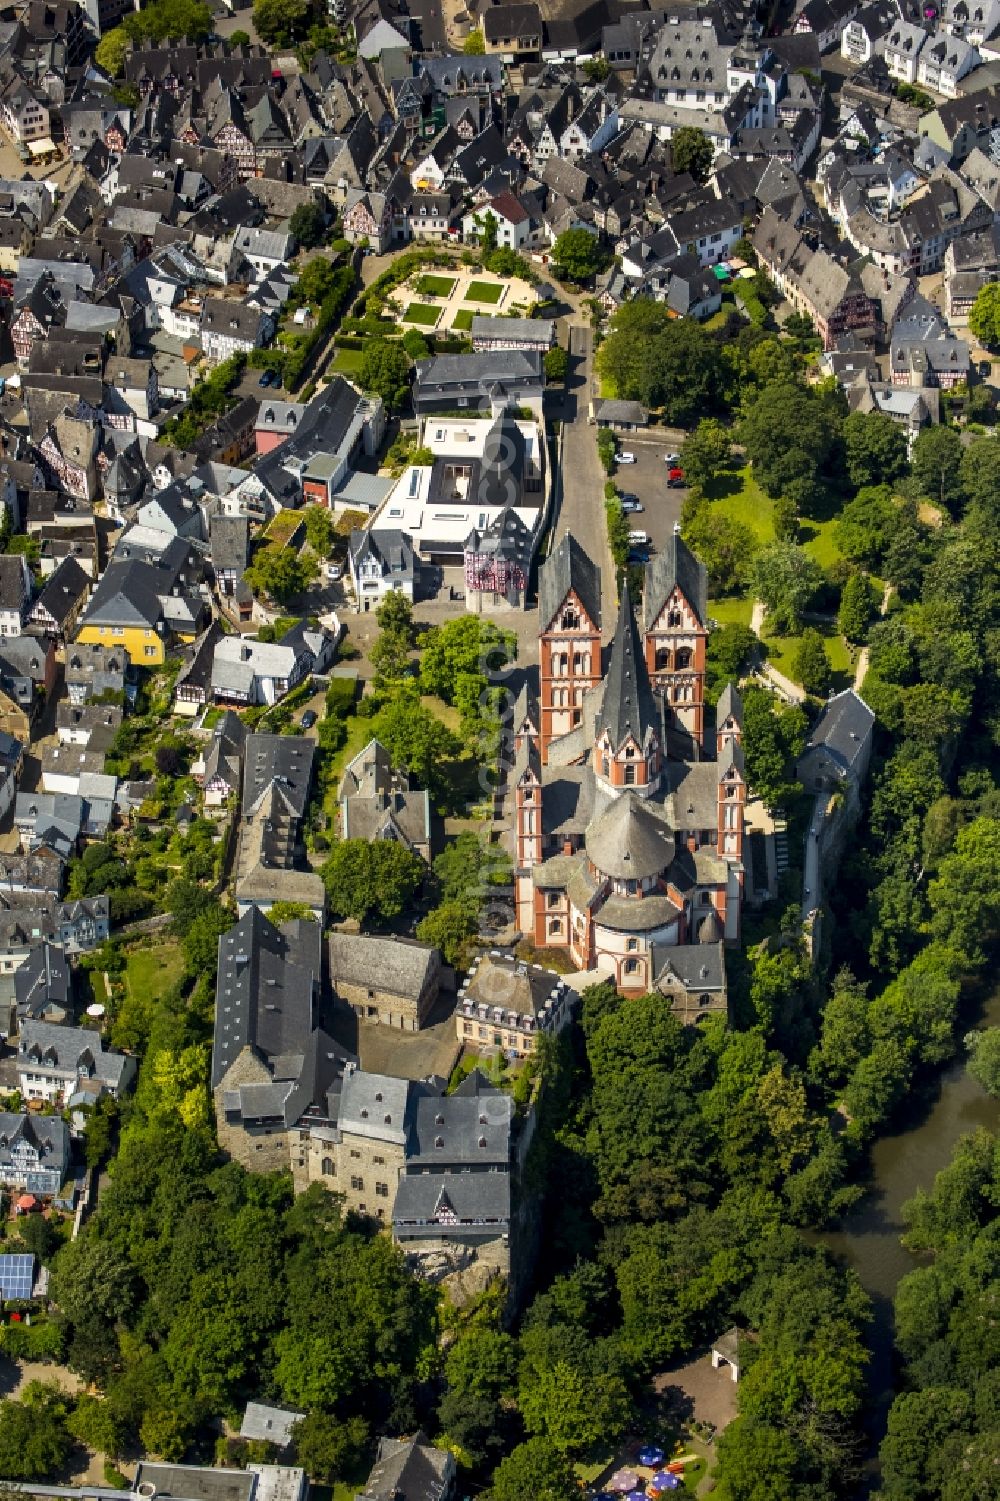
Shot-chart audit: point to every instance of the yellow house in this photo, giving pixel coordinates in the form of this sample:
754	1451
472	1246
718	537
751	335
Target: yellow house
134	607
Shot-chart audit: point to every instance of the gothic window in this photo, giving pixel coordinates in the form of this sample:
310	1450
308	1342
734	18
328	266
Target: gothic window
570	620
630	776
683	659
577	662
674	618
327	1167
662	659
605	767
631	966
555	927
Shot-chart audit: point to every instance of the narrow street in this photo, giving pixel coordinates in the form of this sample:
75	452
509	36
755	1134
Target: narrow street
579	507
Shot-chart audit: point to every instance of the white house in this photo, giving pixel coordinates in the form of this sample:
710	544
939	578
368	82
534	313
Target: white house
25	117
228	326
54	1061
944	60
15	593
901	50
265	249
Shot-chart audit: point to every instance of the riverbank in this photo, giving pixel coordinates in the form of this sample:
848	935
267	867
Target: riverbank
902	1162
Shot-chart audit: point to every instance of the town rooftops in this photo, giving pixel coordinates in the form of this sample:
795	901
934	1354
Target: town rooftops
568	569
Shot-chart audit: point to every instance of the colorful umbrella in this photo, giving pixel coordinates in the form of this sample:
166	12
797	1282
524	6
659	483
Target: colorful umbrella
623	1481
664	1481
651	1456
637	1496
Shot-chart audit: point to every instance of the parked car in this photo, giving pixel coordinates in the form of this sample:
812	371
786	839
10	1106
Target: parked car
265	379
675	478
638	555
626	458
671	458
630	504
308	719
334	571
640	539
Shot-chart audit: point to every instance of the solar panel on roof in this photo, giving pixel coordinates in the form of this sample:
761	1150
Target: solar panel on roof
17	1276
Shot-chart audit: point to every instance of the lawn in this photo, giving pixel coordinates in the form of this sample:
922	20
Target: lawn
435	286
419	312
347	362
733	610
781	651
359	732
152	969
483	291
463	319
736	494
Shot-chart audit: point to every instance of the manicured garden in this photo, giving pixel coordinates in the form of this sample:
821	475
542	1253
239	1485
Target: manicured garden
153	969
421	312
463	319
435	286
484	291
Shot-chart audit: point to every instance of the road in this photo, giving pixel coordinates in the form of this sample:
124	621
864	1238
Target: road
580	484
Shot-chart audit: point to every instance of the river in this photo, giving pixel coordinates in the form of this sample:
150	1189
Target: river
900	1164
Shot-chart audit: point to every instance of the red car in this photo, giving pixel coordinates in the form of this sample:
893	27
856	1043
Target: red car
675	477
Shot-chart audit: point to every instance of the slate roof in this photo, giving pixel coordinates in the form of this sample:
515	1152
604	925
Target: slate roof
632	840
264	994
286	761
674	564
394	964
63	591
628	708
843	728
567	568
408	1471
70	1048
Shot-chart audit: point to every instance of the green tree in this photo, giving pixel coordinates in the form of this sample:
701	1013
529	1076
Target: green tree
280	574
810	663
984	315
875	449
280	912
726	547
320	530
365	877
239	39
97	1423
556	365
791	434
535	1469
786	520
705	452
661	361
450	927
787	579
857	607
417	348
936	465
384	371
280	23
865	526
979	473
466	646
486	228
577	255
307	225
729	653
773	738
112	50
416	739
474	44
34	1442
328	1448
983	1049
965	896
691	151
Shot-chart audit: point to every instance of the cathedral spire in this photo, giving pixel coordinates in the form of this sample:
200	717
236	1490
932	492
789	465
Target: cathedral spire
629	709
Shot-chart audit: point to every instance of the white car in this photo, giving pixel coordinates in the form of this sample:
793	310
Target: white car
333	571
638	539
630	506
626	458
671	458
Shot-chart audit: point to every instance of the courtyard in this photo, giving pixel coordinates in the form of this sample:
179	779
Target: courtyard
439	304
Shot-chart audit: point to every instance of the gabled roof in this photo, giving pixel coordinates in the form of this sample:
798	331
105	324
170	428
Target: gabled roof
568	568
674	565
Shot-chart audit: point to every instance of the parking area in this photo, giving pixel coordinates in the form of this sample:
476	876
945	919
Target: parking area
646	479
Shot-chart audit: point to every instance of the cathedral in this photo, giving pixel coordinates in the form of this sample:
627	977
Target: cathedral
627	828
